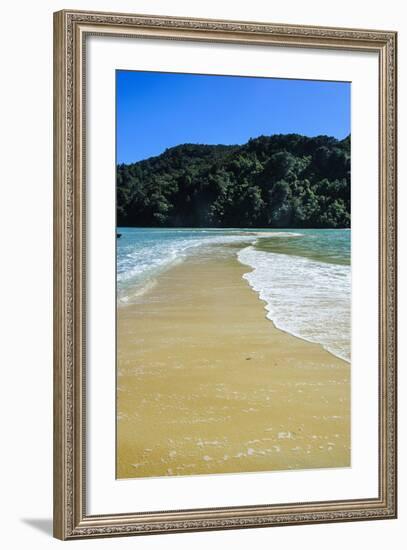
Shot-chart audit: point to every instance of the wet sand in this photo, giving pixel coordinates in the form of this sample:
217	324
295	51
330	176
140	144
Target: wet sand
206	384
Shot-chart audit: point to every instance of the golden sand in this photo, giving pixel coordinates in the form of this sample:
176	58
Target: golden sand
206	383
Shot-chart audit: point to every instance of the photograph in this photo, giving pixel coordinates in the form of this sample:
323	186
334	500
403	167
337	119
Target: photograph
233	274
225	273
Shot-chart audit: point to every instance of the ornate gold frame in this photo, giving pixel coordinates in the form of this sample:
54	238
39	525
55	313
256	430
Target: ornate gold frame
70	31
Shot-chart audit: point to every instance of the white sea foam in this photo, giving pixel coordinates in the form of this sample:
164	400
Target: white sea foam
306	298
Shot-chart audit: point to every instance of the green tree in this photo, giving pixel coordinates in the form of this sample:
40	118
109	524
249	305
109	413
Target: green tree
271	181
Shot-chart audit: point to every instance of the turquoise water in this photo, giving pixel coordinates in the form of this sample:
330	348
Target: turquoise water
303	276
325	245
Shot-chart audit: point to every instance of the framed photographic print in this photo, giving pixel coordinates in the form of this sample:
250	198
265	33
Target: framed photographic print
225	274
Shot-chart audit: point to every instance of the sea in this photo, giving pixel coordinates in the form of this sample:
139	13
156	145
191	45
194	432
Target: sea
303	276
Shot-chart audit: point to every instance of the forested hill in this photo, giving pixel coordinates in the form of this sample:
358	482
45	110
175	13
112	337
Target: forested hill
271	181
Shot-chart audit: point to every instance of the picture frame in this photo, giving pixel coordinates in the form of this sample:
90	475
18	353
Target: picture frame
72	30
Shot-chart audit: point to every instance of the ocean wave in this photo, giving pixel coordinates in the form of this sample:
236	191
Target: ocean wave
271	234
306	298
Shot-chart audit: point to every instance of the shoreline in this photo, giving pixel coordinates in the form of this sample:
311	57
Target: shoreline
248	275
208	384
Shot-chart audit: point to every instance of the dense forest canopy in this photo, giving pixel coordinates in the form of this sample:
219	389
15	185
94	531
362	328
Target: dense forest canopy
271	181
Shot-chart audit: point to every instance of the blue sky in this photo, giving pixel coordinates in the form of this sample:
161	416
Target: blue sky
159	110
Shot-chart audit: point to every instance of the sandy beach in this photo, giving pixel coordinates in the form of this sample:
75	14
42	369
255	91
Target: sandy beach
206	384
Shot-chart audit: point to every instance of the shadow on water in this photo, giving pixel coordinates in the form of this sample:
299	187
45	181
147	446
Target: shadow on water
40	524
